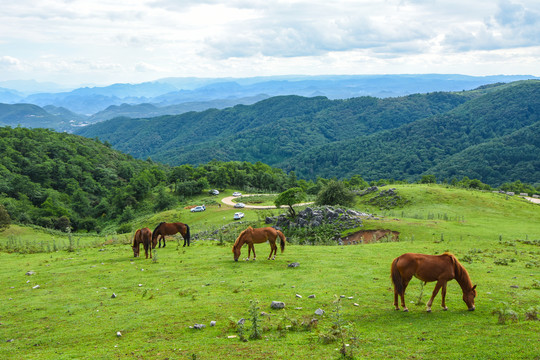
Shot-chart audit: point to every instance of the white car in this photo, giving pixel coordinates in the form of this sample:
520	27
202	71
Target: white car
238	215
239	205
214	192
198	208
236	193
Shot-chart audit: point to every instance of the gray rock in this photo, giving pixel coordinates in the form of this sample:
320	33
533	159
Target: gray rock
311	296
319	312
29	273
294	264
118	333
277	305
36	287
241	321
113	296
212	323
199	326
299	296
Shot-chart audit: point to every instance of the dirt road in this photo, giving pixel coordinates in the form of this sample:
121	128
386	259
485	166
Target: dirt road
228	201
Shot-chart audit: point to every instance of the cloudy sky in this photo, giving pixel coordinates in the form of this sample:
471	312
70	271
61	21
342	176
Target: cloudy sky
103	42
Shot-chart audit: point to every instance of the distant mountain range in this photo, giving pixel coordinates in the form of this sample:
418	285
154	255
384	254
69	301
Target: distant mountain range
491	133
172	96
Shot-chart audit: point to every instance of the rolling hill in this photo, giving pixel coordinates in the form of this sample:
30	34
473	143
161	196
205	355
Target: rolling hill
400	138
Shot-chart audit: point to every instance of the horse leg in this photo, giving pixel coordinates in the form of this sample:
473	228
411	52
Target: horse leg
405	283
435	292
443	294
249	251
272	247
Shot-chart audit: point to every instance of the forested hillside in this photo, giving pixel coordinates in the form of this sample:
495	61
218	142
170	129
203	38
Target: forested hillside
56	180
400	138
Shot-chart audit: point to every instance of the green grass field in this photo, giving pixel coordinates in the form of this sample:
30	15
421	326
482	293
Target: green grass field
72	315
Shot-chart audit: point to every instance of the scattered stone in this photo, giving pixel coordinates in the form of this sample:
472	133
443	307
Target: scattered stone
213	323
342	296
30	273
199	326
319	312
113	295
118	333
294	264
231	336
11	340
241	321
355	304
514	286
299	296
140	285
277	305
36	287
311	296
350	298
297	308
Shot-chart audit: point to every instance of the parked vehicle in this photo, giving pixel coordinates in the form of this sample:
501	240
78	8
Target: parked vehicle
236	193
198	208
214	192
238	215
239	205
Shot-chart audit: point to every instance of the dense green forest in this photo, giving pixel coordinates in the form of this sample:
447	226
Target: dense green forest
404	137
56	180
60	180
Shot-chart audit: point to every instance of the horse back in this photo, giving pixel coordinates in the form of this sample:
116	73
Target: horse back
427	267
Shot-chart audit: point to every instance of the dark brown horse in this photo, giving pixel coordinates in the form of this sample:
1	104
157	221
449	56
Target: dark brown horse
256	236
164	229
439	268
143	236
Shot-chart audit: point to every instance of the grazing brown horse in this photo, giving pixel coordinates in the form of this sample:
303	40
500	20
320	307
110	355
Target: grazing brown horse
256	236
439	268
143	236
164	229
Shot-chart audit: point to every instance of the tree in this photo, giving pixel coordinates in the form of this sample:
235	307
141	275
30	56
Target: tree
290	197
5	220
335	193
428	179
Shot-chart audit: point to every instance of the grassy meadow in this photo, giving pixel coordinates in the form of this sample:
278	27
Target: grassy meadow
157	303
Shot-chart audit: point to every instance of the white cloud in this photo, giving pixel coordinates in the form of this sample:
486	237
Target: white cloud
126	40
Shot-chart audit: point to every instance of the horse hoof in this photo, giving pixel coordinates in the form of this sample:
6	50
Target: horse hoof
428	310
406	310
445	308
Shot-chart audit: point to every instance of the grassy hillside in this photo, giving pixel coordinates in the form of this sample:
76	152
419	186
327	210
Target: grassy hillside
73	314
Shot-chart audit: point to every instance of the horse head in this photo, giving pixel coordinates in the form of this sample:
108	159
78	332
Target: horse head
239	242
468	298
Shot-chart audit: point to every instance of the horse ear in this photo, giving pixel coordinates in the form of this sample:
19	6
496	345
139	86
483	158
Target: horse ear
474	287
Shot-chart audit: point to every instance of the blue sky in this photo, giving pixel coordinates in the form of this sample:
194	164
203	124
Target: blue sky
100	42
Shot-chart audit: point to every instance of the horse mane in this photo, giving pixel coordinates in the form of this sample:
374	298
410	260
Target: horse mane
240	236
154	232
462	276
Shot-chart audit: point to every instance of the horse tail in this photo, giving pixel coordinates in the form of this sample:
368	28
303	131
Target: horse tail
396	277
283	240
188	234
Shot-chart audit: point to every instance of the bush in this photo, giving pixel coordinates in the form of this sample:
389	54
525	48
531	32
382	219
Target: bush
335	193
5	220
